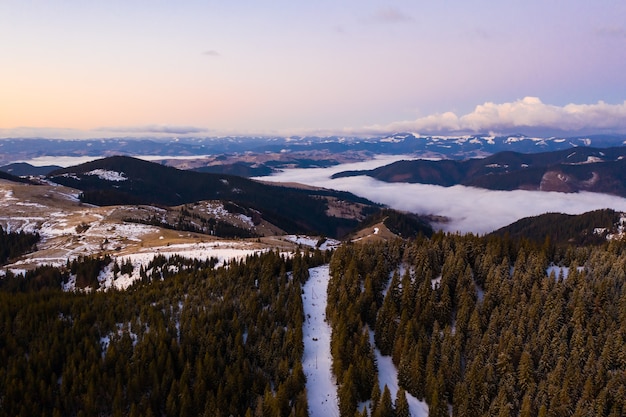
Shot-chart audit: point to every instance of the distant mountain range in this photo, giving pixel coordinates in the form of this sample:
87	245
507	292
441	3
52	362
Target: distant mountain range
601	170
14	150
122	180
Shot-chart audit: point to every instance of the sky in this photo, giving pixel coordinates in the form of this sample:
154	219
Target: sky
77	69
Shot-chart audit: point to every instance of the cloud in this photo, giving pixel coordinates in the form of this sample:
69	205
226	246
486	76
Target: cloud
469	209
211	52
479	33
390	15
154	129
527	115
612	32
104	132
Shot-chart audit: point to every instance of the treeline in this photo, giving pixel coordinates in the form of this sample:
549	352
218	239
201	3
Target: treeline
209	226
203	341
477	324
14	244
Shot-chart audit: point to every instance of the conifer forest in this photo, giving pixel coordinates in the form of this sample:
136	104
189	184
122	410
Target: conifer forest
475	325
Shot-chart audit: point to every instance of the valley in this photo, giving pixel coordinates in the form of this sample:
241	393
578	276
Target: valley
306	293
304	209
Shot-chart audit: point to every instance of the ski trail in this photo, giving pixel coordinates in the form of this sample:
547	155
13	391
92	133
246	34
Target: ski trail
317	361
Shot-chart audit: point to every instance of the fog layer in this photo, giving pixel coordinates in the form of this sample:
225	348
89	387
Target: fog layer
468	209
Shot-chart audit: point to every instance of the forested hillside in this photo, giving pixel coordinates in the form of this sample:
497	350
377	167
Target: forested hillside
588	228
124	180
482	326
214	342
478	325
6	176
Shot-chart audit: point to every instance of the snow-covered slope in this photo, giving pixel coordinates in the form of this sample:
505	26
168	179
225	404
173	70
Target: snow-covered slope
317	361
321	385
388	375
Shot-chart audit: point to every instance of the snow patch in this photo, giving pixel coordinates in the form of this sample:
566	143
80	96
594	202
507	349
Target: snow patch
223	251
107	175
388	375
246	219
561	270
215	209
6	196
435	283
312	242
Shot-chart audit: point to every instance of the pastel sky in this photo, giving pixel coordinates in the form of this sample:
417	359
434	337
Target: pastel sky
205	68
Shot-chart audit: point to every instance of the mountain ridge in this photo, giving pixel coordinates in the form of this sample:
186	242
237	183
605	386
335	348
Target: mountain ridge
20	169
126	180
577	169
451	147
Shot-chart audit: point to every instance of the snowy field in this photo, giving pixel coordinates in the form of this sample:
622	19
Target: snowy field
222	250
311	242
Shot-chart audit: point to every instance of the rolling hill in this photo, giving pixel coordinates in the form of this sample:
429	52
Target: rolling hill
125	180
569	170
10	177
593	227
20	169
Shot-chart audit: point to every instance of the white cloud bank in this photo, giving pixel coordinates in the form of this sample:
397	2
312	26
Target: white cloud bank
527	115
468	209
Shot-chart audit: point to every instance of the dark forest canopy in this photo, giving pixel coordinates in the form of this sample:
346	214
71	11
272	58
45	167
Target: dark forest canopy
205	341
489	326
563	229
479	325
14	244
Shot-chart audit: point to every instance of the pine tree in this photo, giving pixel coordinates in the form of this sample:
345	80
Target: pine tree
525	371
347	394
438	404
375	395
385	405
401	404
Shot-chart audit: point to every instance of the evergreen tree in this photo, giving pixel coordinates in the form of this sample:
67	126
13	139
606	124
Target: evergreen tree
385	405
401	404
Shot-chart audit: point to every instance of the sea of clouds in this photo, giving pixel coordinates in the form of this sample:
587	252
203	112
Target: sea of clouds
468	209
